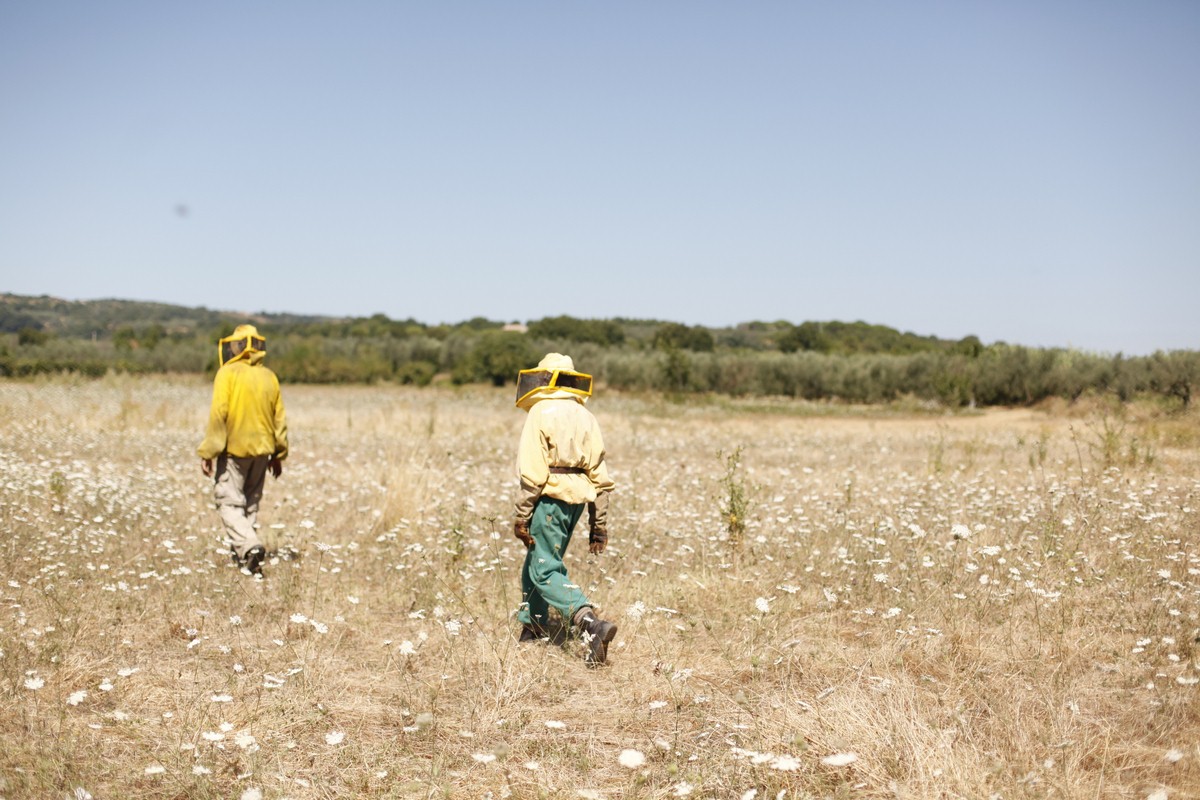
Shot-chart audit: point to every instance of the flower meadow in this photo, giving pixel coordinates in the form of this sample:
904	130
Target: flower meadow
1001	604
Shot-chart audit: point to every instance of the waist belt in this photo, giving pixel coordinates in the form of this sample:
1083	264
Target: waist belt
568	470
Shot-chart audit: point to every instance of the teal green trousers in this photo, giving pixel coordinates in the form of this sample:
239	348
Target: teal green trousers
544	581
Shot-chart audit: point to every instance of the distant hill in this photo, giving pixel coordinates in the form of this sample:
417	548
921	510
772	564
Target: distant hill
854	362
106	318
88	318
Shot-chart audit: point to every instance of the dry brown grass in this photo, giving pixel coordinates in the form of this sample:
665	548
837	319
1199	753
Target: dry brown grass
1047	651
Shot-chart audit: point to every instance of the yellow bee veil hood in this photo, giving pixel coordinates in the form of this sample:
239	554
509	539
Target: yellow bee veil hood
553	378
244	343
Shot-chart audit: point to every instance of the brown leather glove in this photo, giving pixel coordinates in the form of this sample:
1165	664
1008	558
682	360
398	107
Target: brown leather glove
597	541
521	531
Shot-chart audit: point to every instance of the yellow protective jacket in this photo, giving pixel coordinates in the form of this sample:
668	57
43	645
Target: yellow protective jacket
247	416
561	432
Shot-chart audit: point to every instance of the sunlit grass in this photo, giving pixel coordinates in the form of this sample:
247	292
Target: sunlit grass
999	604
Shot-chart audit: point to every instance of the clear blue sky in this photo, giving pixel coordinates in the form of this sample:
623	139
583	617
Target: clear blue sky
1022	171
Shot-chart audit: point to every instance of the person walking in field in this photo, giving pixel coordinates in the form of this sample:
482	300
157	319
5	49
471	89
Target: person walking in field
562	471
246	436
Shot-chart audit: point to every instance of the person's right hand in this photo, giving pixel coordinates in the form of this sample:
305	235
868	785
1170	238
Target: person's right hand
597	541
521	531
206	467
276	467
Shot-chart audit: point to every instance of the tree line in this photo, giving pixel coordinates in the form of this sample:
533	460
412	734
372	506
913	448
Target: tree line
851	362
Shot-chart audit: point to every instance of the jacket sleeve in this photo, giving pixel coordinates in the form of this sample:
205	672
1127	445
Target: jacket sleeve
598	513
215	435
598	474
597	465
533	465
281	430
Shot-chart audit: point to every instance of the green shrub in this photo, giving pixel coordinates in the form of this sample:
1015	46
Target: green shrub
496	356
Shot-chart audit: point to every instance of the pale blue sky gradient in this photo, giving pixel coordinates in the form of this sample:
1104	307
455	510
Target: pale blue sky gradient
1022	171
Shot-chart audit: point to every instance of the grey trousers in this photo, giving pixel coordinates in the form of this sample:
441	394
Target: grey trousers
237	492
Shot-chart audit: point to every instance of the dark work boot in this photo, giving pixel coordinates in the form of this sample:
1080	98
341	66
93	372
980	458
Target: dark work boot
531	633
596	634
254	559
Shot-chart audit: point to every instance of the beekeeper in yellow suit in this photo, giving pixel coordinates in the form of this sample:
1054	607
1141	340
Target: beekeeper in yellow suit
562	472
246	436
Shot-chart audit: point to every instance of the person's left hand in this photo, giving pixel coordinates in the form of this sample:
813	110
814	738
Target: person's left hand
206	467
521	531
276	467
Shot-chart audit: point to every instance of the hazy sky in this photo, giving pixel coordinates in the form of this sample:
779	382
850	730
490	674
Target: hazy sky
1022	171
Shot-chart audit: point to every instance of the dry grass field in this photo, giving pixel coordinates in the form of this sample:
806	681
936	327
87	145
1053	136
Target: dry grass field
1001	604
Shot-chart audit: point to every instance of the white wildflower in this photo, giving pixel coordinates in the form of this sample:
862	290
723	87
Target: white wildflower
484	758
220	698
762	605
631	759
406	648
155	769
252	794
839	759
34	683
334	737
555	724
683	789
77	697
1173	756
786	764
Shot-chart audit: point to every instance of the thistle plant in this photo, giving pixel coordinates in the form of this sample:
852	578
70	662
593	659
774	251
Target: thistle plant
735	499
